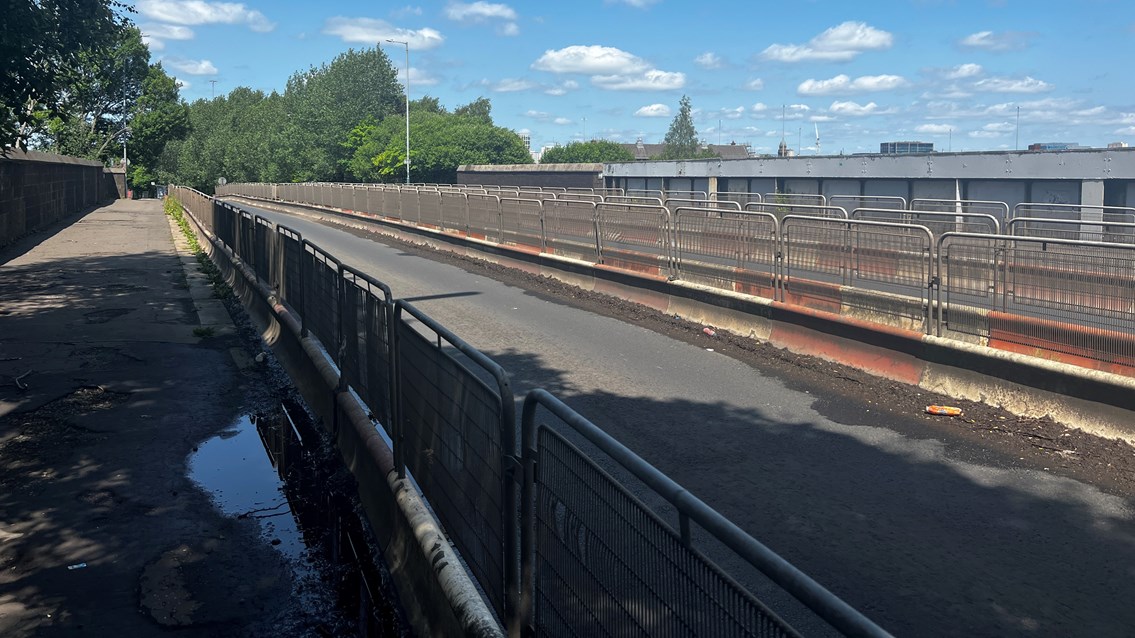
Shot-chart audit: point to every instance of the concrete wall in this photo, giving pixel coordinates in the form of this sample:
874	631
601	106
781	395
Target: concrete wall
557	175
1012	176
38	189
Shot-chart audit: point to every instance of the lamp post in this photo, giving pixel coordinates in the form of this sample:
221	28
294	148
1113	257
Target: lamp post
407	45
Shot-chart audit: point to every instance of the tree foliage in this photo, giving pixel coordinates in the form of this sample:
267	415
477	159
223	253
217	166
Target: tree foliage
94	111
439	143
591	151
479	109
325	103
681	141
42	45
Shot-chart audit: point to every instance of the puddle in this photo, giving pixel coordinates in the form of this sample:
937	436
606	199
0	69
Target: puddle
269	468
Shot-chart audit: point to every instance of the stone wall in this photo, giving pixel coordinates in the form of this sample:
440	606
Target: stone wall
38	189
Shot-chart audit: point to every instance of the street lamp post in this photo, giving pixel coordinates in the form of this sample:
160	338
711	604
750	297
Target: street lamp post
407	45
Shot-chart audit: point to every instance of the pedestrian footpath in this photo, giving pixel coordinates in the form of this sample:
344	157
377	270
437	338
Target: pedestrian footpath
116	363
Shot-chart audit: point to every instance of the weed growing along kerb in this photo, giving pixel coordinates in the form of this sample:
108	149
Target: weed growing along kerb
221	289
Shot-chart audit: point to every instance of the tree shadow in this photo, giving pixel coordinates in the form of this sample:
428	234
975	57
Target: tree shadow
922	543
94	492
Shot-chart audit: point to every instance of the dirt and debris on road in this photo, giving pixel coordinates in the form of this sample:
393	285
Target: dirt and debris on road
844	394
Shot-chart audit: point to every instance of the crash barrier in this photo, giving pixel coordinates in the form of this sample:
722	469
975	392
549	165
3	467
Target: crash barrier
523	519
874	265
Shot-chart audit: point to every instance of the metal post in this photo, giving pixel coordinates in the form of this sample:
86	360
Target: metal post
407	45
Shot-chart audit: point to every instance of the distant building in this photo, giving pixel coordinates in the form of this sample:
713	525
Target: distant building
1117	145
1054	146
644	152
527	139
906	148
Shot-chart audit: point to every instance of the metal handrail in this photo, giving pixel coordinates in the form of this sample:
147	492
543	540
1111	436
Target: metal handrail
813	595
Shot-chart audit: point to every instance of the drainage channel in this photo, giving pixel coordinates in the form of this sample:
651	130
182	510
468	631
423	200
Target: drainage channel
275	468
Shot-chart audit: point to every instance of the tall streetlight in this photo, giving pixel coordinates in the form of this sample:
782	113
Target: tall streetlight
407	45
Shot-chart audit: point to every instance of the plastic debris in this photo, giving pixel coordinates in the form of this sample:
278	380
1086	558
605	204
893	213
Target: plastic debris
77	566
709	331
943	410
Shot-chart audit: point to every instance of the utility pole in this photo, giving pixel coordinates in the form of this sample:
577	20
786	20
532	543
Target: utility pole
407	45
1017	142
214	83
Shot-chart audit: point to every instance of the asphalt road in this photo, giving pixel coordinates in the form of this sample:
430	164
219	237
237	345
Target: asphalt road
925	534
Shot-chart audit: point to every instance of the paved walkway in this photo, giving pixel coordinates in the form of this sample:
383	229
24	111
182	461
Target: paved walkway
105	391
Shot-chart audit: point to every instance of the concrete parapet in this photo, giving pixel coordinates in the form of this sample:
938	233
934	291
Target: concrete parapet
439	596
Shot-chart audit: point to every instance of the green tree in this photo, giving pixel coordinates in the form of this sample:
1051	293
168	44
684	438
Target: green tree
681	140
426	104
479	109
41	44
103	85
583	152
323	105
439	143
158	117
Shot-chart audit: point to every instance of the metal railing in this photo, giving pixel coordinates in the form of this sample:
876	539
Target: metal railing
884	280
516	515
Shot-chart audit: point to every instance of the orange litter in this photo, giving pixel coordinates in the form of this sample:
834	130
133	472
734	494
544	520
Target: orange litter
944	410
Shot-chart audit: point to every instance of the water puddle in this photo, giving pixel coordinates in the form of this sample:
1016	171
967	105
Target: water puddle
271	468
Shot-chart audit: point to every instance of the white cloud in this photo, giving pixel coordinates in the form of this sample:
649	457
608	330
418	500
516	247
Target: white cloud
192	67
561	121
562	88
999	127
984	134
756	84
732	114
990	41
759	107
652	80
407	10
509	29
512	85
589	60
155	35
419	77
853	109
479	12
964	71
194	12
838	44
934	129
709	60
370	31
653	110
1010	85
844	85
638	4
537	115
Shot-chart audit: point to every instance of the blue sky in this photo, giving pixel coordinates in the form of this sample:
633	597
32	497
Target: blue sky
950	72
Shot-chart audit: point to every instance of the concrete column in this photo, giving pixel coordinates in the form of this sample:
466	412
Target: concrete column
1091	209
712	188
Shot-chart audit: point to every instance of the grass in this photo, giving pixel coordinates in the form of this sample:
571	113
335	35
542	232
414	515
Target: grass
221	289
203	332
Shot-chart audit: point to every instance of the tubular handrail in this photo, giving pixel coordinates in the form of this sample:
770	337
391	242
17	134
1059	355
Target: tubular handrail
825	604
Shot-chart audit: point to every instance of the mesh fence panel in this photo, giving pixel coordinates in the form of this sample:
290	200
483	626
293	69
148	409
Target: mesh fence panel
521	222
634	237
570	229
734	251
321	297
608	566
367	359
451	427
